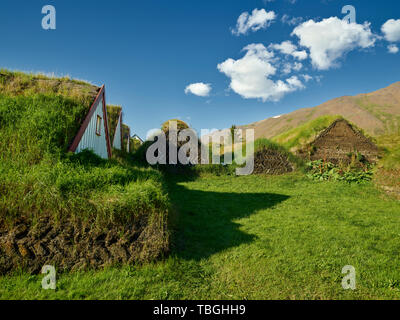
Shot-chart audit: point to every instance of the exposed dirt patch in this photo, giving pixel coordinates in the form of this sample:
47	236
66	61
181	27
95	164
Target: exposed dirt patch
77	246
269	161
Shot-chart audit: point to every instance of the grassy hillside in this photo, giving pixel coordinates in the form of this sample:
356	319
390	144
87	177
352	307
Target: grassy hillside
388	172
377	113
305	133
38	178
35	132
391	144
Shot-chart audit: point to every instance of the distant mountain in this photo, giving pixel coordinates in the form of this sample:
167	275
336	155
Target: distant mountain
377	113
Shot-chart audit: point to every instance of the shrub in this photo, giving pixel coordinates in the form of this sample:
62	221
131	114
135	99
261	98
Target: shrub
323	170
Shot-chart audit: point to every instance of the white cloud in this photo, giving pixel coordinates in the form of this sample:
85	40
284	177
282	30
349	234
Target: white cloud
307	77
291	21
199	89
288	48
297	66
294	82
330	39
391	30
301	55
251	75
288	67
392	48
258	19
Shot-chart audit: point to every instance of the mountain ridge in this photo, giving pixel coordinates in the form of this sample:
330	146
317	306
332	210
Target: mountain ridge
377	113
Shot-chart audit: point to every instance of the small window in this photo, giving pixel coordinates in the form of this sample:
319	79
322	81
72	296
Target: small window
98	126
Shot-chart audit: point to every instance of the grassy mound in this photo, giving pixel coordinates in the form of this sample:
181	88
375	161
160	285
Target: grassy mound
272	158
39	180
181	125
113	113
140	153
300	136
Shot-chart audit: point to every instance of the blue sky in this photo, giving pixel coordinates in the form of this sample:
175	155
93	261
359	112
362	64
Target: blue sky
148	52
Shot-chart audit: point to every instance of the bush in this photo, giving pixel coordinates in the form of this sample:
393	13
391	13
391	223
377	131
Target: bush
321	170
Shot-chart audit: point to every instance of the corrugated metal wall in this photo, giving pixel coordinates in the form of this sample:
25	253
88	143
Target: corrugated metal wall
90	140
117	136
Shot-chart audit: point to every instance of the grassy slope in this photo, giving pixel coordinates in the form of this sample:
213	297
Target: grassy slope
39	117
254	237
391	144
377	113
389	120
305	133
388	173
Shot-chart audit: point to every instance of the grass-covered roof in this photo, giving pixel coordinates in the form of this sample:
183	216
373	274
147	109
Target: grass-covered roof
126	135
13	83
40	114
113	114
298	137
181	125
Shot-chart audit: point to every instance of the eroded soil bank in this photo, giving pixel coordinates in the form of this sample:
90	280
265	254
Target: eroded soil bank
76	245
269	161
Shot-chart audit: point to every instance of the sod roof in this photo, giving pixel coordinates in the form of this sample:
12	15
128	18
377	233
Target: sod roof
298	137
18	83
339	140
42	112
113	114
125	135
181	125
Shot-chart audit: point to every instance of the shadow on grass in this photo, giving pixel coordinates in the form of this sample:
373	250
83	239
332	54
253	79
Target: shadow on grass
205	220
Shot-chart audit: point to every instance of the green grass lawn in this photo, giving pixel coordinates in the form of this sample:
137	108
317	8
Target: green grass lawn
254	237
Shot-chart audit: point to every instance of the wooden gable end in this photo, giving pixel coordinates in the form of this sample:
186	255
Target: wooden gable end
94	133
